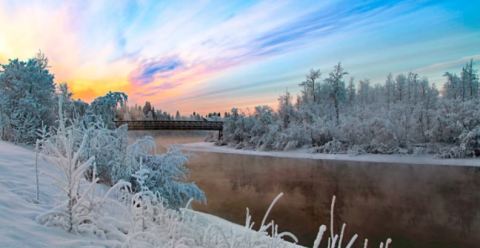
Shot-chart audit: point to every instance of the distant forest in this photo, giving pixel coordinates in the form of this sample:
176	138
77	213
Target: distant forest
148	112
405	115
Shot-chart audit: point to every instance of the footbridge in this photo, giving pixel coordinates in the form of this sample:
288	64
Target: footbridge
174	125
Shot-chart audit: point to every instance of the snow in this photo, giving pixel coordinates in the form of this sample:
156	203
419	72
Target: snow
19	209
305	154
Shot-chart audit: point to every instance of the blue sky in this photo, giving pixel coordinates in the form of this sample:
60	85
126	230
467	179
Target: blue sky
212	55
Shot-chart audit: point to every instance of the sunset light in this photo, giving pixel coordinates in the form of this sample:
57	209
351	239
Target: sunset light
209	56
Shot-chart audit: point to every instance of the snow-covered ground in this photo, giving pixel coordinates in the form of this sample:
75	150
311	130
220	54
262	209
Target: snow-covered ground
19	208
305	154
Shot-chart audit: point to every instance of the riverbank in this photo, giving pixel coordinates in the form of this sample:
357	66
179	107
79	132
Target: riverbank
305	154
19	208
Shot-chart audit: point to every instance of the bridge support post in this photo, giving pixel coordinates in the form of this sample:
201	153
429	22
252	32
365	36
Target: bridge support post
220	135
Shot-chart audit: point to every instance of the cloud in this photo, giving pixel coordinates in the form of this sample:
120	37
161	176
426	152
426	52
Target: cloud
446	65
173	51
255	34
274	82
258	33
147	72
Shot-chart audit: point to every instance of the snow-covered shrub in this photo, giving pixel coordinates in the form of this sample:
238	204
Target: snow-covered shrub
321	133
356	150
264	128
152	223
470	142
108	146
236	129
166	175
294	136
82	210
447	125
334	146
267	141
65	152
131	157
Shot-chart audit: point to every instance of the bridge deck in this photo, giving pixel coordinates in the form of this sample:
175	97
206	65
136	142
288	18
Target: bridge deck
172	125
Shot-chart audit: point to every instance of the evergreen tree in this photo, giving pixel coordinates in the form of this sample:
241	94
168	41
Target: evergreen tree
469	79
27	98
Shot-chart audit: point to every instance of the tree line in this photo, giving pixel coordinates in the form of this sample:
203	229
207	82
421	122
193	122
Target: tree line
149	113
405	114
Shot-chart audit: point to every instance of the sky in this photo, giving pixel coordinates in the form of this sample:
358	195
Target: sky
208	56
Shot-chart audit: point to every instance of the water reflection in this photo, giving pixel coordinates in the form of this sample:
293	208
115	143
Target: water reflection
418	206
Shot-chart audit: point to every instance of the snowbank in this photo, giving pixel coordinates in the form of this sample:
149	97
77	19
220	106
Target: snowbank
19	208
304	154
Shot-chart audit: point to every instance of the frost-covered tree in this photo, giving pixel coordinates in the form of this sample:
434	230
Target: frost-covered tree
105	107
451	88
337	88
412	87
27	98
264	128
65	151
72	109
389	90
351	92
469	81
400	87
404	115
364	92
285	109
148	111
309	92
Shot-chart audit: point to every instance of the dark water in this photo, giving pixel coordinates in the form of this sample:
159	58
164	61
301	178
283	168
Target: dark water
415	205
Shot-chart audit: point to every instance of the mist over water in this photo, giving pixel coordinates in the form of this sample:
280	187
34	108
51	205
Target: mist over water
415	205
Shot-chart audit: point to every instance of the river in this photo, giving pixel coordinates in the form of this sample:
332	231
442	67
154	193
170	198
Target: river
415	205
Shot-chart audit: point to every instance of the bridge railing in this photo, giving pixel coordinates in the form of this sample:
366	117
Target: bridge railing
172	125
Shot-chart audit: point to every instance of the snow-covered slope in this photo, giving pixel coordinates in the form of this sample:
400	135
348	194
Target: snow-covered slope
18	207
